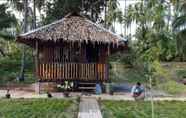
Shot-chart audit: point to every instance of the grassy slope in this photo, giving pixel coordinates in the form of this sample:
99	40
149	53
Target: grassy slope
119	73
177	72
38	108
127	109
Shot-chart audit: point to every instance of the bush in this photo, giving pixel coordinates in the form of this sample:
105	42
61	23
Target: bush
10	66
173	87
181	73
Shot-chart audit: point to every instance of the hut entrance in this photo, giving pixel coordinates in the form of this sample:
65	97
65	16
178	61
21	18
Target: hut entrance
92	53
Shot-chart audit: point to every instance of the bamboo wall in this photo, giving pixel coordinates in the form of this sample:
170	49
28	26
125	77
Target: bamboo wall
73	71
69	62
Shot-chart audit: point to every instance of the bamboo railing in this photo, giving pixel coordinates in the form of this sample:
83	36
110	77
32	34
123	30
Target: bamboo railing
73	71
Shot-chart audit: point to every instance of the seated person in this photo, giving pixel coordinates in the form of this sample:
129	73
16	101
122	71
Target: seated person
98	89
138	91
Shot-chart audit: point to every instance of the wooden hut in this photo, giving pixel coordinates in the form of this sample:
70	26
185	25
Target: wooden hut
72	49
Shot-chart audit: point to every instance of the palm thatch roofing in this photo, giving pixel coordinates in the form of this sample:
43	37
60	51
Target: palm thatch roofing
71	28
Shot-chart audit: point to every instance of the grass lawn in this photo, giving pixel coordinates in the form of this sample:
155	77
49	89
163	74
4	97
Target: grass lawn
129	109
38	108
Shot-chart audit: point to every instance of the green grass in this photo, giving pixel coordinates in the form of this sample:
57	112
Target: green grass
38	108
172	87
181	74
129	109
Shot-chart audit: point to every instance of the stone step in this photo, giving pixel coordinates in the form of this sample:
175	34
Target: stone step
87	88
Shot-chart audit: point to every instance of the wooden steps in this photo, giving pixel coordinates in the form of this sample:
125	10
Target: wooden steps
87	86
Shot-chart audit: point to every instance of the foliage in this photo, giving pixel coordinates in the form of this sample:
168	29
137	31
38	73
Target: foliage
155	41
7	21
10	64
181	74
38	108
113	14
172	87
179	27
131	109
121	73
59	8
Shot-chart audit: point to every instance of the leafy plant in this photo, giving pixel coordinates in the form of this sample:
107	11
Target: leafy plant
39	108
131	109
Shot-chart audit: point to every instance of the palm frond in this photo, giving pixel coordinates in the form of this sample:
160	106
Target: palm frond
17	4
179	21
6	35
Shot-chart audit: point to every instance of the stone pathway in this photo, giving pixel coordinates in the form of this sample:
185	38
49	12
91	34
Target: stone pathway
89	108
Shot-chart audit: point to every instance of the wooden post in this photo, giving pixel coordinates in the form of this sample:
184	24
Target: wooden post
37	87
36	66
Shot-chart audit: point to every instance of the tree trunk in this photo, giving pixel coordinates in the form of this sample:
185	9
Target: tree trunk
151	98
2	52
21	78
105	23
169	16
125	30
34	15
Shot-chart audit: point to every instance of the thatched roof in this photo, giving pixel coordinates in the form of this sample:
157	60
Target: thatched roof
71	28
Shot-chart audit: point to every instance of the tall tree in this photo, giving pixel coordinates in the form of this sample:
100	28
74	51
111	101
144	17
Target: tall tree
7	21
57	9
179	26
29	21
152	31
114	14
25	29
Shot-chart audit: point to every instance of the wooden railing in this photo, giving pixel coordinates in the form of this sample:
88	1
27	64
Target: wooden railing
72	71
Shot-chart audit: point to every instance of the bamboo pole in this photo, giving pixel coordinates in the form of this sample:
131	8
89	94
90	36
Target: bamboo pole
37	60
152	100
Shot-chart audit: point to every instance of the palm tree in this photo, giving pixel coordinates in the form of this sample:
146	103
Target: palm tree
179	26
7	20
113	14
23	7
25	29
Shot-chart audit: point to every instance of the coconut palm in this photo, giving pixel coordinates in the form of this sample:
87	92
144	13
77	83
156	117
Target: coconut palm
22	7
7	21
113	14
179	26
29	20
153	29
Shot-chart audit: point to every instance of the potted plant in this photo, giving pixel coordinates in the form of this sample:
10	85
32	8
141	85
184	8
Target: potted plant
64	89
49	95
8	94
